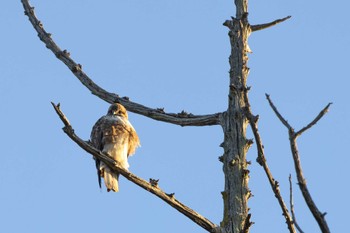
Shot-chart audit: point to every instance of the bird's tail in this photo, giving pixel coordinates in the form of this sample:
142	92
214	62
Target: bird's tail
110	178
97	163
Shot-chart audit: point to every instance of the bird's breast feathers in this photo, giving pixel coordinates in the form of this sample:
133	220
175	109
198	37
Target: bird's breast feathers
119	152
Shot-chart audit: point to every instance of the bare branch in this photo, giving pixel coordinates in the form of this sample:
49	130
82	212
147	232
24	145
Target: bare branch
319	217
267	25
303	187
150	187
312	123
280	117
292	204
262	161
156	114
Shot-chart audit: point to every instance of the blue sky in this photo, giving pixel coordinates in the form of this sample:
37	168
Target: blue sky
171	54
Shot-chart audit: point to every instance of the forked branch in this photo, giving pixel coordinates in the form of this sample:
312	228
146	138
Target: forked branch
297	164
183	118
150	187
261	159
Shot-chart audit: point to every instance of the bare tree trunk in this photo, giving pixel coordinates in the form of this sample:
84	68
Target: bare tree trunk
234	124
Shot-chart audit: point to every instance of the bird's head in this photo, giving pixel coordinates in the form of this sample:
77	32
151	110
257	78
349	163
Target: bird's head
117	110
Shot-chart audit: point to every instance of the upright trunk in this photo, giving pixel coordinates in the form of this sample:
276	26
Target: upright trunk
234	123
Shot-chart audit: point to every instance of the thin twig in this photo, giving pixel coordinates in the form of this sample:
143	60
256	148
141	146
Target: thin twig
113	165
280	117
312	123
292	204
318	215
261	159
182	118
267	25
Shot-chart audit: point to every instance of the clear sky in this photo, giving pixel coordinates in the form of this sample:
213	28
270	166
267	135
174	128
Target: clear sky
171	54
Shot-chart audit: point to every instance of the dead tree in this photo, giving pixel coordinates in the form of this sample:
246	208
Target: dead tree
234	122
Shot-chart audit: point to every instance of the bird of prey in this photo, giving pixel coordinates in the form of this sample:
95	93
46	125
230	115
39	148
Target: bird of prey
115	136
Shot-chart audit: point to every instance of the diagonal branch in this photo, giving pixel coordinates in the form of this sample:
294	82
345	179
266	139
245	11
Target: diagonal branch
253	121
150	187
318	215
267	25
312	123
280	117
182	118
292	204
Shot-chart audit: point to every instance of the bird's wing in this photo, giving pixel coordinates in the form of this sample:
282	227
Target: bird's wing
134	140
127	132
97	133
96	137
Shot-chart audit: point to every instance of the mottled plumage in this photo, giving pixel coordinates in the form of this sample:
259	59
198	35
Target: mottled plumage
115	136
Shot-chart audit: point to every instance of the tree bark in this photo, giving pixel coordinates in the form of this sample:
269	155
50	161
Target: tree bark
234	123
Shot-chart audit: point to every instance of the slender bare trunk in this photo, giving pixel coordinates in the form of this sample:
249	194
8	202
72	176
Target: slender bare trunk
234	123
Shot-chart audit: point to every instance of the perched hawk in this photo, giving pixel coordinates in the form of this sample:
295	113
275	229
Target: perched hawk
114	135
